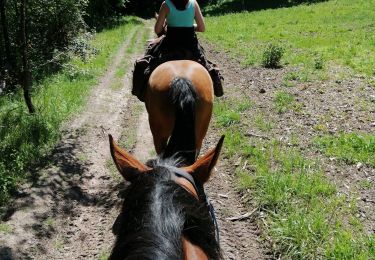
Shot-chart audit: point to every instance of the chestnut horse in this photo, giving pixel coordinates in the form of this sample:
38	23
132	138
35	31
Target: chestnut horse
165	214
179	99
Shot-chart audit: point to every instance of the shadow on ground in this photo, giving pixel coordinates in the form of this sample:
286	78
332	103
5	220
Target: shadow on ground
54	191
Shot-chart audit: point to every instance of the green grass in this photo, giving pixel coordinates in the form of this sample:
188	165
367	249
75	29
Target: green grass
352	148
230	115
284	101
104	255
26	138
315	36
263	124
304	215
5	228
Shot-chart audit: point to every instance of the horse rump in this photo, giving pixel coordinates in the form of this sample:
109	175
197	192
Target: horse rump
182	141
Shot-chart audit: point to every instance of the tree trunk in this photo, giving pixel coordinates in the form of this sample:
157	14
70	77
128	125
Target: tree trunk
4	25
25	75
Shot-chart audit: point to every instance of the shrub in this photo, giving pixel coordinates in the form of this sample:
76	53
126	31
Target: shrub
272	56
318	62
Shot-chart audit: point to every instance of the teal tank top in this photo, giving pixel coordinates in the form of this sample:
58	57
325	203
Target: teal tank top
178	18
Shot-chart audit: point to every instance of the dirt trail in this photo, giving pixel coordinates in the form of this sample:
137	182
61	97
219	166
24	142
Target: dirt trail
68	212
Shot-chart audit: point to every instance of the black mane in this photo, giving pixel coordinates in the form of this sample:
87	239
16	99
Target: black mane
155	213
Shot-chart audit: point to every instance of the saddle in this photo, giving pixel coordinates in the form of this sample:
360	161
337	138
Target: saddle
143	67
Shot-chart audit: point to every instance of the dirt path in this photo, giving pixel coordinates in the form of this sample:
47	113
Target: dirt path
68	212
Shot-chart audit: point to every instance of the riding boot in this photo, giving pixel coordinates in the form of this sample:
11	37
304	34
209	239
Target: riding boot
216	77
140	76
217	82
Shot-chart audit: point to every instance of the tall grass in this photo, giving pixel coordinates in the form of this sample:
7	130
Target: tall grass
341	32
26	138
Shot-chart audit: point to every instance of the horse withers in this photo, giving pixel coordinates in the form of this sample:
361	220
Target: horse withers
165	214
179	100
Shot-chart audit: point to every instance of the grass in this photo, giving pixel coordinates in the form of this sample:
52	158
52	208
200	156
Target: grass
304	215
5	228
316	36
284	101
104	254
227	115
49	222
263	124
27	138
352	147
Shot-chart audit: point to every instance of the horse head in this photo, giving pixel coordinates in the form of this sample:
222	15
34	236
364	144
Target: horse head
166	213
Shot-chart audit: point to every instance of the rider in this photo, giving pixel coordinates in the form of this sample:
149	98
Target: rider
176	22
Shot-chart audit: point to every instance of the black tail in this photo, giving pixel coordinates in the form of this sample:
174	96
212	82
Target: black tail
182	141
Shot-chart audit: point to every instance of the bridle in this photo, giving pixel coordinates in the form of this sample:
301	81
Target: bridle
177	172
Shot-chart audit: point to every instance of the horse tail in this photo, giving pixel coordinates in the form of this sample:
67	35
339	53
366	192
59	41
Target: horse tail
182	140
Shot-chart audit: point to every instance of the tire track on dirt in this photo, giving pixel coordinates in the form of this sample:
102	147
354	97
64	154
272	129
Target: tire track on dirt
69	211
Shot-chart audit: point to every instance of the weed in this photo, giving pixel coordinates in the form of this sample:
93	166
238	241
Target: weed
58	243
83	157
352	147
263	124
283	101
318	62
109	164
104	254
5	228
272	56
365	184
225	116
49	222
321	128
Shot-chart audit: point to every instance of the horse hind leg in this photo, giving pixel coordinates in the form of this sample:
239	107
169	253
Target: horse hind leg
161	128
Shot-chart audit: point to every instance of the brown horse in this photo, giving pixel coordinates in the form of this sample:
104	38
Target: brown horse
179	100
165	214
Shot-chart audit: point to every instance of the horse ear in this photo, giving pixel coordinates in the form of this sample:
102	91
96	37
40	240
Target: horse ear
201	169
128	166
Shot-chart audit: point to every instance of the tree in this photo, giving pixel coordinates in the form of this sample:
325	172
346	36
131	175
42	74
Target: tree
25	75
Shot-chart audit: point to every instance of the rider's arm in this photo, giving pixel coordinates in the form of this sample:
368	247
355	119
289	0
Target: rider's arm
200	27
159	25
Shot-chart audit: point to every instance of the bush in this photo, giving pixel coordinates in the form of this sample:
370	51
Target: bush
318	62
272	56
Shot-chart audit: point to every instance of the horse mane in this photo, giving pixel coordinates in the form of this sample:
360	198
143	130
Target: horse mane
182	140
155	213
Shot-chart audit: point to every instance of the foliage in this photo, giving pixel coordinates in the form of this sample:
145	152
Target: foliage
25	139
144	8
272	56
217	7
53	27
99	13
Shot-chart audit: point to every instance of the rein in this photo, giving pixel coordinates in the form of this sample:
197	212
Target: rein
183	174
